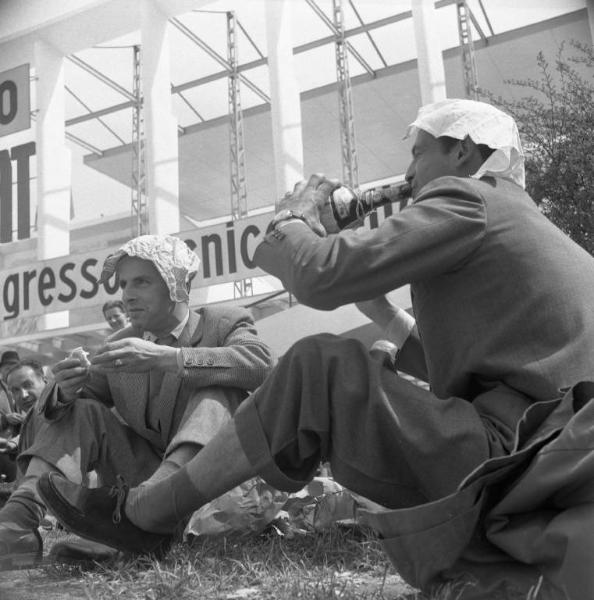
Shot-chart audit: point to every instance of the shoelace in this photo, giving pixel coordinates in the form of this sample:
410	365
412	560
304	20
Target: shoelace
119	491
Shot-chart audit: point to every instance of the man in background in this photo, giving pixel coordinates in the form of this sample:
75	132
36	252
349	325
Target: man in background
7	360
115	314
26	380
10	419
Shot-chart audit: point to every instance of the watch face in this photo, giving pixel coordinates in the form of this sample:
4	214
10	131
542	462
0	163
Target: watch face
286	215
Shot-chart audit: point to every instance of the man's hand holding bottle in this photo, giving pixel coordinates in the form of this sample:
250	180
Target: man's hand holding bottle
329	207
307	202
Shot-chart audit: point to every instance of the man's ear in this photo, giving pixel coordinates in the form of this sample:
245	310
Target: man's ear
465	148
468	155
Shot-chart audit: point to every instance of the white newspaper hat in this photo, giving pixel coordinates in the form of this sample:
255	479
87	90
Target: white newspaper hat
176	263
484	124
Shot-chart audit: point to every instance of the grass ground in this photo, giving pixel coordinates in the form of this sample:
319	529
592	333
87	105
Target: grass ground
339	562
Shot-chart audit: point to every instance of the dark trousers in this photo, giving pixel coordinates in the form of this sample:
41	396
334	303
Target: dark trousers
88	436
385	438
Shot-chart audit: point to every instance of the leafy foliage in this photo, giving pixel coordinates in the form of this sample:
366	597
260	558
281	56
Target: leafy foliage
556	123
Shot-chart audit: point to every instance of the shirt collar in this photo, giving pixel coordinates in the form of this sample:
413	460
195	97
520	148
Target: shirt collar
175	332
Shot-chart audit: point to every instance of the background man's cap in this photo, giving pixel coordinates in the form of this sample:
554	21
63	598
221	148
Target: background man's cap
9	357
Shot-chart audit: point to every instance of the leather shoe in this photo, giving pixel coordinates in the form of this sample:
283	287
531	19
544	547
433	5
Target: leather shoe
19	548
98	514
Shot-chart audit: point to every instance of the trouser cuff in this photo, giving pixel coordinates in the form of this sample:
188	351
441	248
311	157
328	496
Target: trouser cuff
254	442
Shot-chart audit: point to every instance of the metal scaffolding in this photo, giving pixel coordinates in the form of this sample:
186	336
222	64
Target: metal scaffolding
242	287
238	183
467	47
138	203
350	167
364	27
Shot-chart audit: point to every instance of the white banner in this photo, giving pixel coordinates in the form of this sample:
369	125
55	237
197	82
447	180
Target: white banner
226	251
71	282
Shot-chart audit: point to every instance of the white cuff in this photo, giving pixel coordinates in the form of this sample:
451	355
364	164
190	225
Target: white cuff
399	328
285	222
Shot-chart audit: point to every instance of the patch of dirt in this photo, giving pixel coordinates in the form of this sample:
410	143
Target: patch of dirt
392	586
39	584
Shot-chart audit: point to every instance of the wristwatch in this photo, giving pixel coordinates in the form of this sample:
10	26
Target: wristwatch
285	215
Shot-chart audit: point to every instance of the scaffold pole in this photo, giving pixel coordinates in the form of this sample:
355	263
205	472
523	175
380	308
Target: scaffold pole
139	206
350	168
242	287
469	70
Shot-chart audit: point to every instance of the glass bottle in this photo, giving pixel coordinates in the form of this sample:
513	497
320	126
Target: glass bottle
346	208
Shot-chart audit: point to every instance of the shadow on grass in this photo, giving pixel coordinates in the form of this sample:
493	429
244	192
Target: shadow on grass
340	562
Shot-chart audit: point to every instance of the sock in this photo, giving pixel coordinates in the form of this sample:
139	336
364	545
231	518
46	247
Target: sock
166	468
160	506
219	466
174	461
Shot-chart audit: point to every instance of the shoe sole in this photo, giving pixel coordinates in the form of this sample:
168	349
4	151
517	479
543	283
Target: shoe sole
83	563
75	553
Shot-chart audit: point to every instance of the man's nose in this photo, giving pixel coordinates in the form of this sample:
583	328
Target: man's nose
409	174
127	294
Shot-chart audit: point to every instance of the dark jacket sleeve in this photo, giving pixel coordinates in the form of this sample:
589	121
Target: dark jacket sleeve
433	236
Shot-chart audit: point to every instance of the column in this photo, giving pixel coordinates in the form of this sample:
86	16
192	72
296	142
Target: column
285	102
429	52
161	143
53	166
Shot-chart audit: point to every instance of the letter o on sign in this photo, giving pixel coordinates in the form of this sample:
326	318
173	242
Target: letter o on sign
8	101
15	100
